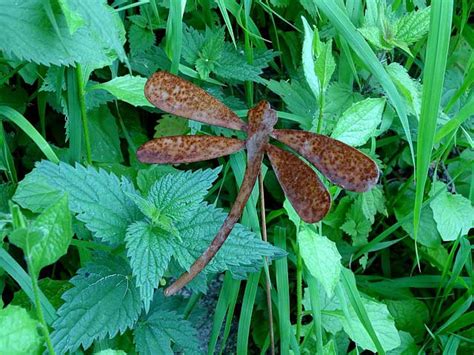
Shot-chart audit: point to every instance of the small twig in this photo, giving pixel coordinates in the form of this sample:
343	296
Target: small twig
263	227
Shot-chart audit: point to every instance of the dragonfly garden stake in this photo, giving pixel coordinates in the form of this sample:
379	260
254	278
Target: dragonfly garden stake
341	164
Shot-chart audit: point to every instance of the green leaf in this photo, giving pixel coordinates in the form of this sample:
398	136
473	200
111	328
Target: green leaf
97	197
73	19
127	88
103	131
325	64
241	253
177	195
29	34
146	178
53	235
53	290
359	122
141	39
160	328
357	225
321	257
413	26
428	234
407	346
103	302
410	315
18	332
150	251
409	88
308	60
170	125
372	202
454	214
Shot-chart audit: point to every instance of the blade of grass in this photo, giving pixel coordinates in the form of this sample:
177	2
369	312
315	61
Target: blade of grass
14	269
433	79
222	306
361	48
454	123
232	301
82	105
174	33
225	16
7	157
315	310
349	283
18	119
74	123
246	313
283	289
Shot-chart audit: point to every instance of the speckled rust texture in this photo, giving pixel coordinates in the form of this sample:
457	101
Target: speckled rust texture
172	94
187	149
301	185
341	164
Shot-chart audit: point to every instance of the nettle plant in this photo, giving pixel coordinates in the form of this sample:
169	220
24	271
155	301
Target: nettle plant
146	234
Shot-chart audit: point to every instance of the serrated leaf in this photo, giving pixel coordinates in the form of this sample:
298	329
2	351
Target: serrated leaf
127	88
409	88
359	122
176	195
29	34
162	327
356	225
103	303
372	202
97	197
55	235
147	177
321	257
150	251
375	36
454	214
241	253
141	39
413	26
18	332
170	125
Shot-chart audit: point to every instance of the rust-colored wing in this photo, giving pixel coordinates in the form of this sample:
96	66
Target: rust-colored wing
187	149
301	185
172	94
340	163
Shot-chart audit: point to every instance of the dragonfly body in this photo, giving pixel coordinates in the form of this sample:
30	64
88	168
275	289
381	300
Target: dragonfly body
340	163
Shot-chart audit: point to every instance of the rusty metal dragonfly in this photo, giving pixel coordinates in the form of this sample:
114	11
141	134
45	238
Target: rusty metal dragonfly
342	164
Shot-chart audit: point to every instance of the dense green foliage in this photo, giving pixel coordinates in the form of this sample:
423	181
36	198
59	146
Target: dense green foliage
90	236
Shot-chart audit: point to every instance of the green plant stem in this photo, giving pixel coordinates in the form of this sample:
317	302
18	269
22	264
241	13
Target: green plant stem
299	293
39	312
82	103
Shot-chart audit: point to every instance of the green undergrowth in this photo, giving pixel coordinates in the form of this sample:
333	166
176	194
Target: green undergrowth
90	236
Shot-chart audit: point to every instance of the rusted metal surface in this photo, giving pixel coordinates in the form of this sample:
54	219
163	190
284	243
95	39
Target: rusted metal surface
342	164
172	94
187	149
301	185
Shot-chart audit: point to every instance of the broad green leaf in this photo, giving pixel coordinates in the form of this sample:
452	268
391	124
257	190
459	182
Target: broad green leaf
292	214
170	125
127	88
321	257
111	352
357	225
407	345
413	26
52	289
453	213
29	34
146	178
409	88
104	134
18	332
404	312
372	202
150	251
160	328
73	19
140	39
325	64
103	303
54	234
308	60
241	253
359	122
428	234
99	198
176	195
